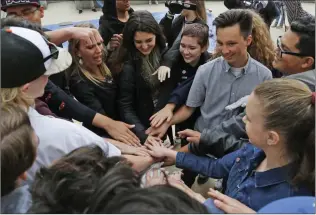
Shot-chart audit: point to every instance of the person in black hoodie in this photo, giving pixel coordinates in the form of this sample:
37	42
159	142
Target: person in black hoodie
174	91
111	23
142	49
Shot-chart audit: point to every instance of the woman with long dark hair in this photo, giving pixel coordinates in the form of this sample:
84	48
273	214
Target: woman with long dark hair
141	50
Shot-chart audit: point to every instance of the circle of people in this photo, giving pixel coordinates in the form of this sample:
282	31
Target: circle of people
244	114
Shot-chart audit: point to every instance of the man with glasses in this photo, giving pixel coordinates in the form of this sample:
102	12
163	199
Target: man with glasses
58	101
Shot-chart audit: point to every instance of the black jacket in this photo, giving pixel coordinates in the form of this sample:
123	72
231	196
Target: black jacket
269	13
177	87
100	98
65	106
109	24
135	99
172	28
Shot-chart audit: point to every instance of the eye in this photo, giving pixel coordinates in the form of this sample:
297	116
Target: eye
231	44
192	48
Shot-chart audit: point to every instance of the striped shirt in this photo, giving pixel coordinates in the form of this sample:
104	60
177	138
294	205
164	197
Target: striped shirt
294	10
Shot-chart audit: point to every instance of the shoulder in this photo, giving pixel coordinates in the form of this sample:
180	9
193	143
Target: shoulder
259	66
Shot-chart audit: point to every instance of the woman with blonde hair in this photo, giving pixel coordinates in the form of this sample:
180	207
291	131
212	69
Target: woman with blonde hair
91	81
172	28
262	47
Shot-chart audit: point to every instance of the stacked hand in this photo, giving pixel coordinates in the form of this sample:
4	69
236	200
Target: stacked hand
160	151
160	117
159	131
190	135
121	132
228	204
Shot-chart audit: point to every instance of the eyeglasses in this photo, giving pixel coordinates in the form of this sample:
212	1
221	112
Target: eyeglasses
281	51
53	50
24	13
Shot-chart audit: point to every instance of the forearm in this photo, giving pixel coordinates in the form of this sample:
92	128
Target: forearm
101	121
181	115
59	36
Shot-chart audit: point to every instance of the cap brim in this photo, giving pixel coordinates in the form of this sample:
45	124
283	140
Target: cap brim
60	64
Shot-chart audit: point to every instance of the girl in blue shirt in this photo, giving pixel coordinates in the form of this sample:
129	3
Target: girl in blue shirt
279	160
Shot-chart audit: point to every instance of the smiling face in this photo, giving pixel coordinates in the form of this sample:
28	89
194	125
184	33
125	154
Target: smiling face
144	42
290	64
191	50
91	55
232	45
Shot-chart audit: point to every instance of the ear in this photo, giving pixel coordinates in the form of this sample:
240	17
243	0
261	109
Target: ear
25	87
41	10
23	176
249	40
308	62
273	138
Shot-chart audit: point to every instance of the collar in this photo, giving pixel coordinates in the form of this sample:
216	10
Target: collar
227	67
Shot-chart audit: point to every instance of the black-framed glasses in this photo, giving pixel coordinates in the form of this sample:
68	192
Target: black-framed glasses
53	50
24	13
281	51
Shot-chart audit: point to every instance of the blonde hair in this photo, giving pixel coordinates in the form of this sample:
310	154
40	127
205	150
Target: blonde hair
15	96
262	47
288	108
73	47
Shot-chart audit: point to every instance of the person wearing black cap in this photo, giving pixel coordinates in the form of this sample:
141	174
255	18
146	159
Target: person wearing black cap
58	101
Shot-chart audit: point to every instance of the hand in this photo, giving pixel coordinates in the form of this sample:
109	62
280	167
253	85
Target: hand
138	151
162	71
152	140
89	35
161	116
155	177
228	204
190	135
121	132
242	102
158	150
159	132
115	42
139	163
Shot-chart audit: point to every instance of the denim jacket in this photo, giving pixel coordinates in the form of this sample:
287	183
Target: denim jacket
254	189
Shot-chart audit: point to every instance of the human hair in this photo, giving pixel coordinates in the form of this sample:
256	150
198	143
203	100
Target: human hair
200	31
77	67
67	185
20	22
18	150
200	11
139	21
233	17
262	47
288	109
15	96
304	27
159	199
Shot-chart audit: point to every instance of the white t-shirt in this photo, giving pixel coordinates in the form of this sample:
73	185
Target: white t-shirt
58	137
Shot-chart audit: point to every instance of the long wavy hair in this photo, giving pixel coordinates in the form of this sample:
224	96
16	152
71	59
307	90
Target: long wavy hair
262	47
77	67
139	21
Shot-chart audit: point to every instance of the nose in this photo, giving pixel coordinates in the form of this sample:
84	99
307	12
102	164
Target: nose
186	51
225	50
144	46
99	49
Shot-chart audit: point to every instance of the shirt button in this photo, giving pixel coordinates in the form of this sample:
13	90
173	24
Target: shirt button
237	159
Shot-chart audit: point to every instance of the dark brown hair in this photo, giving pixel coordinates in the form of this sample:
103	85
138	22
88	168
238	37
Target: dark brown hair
18	149
199	31
235	16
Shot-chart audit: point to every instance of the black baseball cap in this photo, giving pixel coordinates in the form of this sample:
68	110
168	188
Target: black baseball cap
26	55
11	3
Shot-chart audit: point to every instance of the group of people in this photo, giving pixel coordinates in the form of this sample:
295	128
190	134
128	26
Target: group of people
245	113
